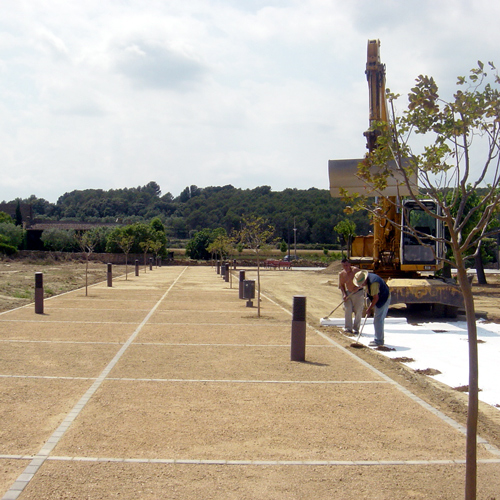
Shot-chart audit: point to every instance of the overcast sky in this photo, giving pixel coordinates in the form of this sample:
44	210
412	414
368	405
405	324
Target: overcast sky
117	93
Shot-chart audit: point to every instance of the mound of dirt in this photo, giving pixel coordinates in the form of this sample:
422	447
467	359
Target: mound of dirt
334	268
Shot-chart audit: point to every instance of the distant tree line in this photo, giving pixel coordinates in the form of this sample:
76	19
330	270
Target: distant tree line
308	215
147	222
139	237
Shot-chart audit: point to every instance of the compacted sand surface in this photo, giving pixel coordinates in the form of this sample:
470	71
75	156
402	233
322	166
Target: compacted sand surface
166	385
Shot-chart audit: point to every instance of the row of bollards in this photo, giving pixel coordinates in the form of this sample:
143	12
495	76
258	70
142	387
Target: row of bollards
246	291
109	278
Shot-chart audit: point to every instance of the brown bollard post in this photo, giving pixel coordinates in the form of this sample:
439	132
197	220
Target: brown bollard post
218	267
241	286
38	293
223	271
298	342
228	271
110	274
136	267
150	263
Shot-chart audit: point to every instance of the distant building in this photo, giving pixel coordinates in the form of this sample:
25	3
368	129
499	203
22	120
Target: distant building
35	230
10	209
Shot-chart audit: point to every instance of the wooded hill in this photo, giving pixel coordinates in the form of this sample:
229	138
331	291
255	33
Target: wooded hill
313	212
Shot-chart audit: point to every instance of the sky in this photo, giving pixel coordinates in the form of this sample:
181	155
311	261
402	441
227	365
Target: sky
118	93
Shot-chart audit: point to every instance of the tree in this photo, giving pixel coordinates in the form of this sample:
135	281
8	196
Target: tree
124	241
13	235
19	216
185	195
5	247
101	235
157	247
141	233
158	236
447	162
145	245
58	239
87	240
197	246
221	245
157	225
256	234
477	255
5	217
347	229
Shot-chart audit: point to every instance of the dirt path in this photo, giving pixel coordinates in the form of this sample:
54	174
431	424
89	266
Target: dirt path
167	386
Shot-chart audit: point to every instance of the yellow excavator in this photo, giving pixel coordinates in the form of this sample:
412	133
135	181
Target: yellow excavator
405	247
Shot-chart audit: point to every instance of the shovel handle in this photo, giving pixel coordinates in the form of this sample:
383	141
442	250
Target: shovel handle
361	329
343	300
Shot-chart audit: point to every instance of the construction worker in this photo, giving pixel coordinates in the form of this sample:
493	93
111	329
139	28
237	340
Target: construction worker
380	299
353	297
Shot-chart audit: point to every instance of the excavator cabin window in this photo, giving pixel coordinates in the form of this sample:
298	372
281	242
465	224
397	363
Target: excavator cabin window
419	233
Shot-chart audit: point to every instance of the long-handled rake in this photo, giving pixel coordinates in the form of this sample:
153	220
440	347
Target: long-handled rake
357	344
333	310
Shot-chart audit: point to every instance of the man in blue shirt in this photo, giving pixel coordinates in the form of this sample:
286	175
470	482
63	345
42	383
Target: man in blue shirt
380	299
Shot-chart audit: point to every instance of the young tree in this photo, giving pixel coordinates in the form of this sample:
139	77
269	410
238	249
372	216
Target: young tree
145	246
158	237
448	163
347	229
87	240
256	234
124	242
157	246
476	255
221	245
283	247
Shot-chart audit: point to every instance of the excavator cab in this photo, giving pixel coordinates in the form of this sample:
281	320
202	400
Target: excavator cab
420	245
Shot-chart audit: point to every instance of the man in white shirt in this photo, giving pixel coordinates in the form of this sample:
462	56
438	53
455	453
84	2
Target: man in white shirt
353	297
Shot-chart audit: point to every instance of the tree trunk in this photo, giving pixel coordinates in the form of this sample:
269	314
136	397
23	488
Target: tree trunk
481	276
86	276
472	410
258	286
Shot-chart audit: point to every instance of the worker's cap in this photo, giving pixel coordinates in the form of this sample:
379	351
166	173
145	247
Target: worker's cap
360	277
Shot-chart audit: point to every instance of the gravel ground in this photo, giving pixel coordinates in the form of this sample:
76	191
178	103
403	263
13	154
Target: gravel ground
205	379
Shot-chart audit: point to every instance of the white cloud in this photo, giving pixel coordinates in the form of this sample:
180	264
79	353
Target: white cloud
151	65
208	92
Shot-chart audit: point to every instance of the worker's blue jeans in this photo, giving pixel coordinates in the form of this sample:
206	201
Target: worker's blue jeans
378	321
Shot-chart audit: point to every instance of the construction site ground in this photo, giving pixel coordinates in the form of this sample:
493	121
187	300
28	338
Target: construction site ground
167	385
